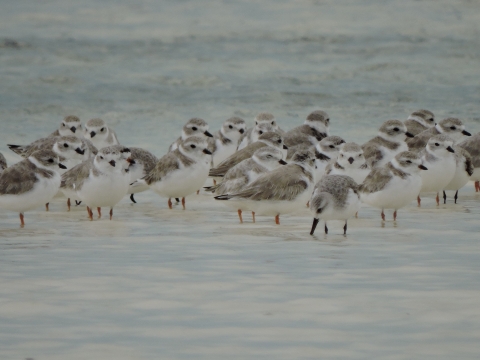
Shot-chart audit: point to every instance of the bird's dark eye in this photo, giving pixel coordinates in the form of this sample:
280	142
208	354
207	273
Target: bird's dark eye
360	155
63	124
194	128
193	146
101	157
341	155
230	126
279	141
396	129
50	161
102	129
437	144
256	122
260	132
452	127
408	161
332	147
65	145
327	120
126	150
273	122
430	120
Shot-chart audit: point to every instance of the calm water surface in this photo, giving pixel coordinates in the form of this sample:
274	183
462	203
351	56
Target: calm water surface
195	284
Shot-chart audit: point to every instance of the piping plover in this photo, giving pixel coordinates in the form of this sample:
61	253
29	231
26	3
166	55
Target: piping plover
194	127
263	160
472	145
389	142
351	162
419	121
101	135
252	134
70	126
100	181
264	122
181	172
268	139
393	185
30	183
326	151
452	127
280	191
439	158
144	162
314	129
463	171
59	144
225	141
335	197
3	163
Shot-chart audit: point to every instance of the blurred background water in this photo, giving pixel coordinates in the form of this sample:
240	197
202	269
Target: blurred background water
166	284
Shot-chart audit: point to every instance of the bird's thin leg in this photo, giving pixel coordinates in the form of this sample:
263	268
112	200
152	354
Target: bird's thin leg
308	204
345	228
22	220
183	203
214	182
90	213
111	213
68	204
326	228
419	201
383	215
198	192
438	199
456	196
46	207
395	215
99	210
477	186
444	197
277	219
170	205
239	211
253	216
132	198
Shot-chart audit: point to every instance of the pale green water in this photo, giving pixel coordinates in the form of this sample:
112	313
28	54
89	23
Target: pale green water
164	284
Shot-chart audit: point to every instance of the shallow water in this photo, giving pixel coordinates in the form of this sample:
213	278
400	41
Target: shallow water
155	283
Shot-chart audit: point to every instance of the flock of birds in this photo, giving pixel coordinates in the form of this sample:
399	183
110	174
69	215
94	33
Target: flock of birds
262	169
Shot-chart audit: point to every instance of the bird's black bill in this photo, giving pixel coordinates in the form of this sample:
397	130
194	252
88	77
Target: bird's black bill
409	134
92	134
80	151
241	131
131	161
61	166
422	167
112	162
285	147
206	151
73	128
450	149
314	225
350	160
283	162
465	132
206	133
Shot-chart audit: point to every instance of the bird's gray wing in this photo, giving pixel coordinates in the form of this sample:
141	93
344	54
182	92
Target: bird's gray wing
376	180
236	158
